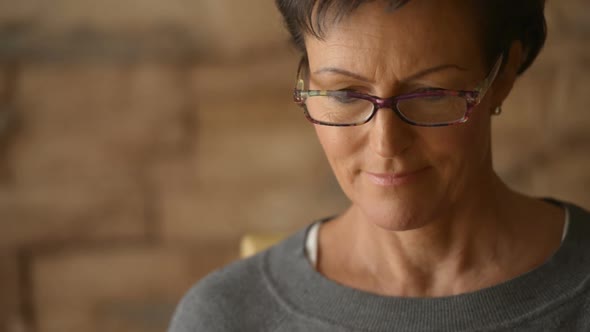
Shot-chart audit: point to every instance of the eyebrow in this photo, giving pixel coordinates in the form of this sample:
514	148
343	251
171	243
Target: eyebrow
417	75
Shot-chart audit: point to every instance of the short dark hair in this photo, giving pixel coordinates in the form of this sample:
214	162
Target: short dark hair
504	21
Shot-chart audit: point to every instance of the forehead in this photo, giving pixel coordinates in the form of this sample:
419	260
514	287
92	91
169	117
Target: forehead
374	40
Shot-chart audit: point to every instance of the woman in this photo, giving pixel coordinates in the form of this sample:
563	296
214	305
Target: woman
401	94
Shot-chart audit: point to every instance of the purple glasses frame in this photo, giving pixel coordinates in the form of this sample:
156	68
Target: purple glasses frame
472	98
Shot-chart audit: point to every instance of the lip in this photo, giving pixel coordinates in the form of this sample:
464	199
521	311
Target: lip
395	179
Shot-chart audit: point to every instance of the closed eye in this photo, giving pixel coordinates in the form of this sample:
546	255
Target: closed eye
427	89
342	97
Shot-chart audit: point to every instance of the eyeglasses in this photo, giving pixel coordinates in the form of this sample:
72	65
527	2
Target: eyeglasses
432	107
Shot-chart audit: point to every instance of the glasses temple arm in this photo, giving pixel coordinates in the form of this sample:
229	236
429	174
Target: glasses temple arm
487	83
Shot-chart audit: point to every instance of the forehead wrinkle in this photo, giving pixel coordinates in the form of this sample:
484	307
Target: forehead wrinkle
367	57
367	66
375	45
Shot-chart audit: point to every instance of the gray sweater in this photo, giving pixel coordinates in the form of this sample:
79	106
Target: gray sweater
278	290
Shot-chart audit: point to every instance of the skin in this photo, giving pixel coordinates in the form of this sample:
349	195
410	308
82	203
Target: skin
453	226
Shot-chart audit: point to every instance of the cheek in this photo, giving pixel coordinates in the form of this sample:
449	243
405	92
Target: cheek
342	147
460	151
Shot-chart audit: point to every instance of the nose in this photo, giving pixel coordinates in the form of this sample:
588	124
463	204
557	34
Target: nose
389	135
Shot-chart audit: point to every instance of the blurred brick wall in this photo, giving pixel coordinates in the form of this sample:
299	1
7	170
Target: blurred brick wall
140	140
542	140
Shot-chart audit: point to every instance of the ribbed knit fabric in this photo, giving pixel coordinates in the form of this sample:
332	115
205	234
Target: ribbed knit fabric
279	290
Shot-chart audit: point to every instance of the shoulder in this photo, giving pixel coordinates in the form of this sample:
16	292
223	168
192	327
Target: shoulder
579	222
236	297
577	212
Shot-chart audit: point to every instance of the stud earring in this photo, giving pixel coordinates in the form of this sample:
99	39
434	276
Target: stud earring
497	110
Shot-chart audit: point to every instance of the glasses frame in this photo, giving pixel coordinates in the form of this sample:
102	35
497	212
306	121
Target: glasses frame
472	98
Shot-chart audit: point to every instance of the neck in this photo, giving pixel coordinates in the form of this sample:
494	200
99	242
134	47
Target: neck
464	250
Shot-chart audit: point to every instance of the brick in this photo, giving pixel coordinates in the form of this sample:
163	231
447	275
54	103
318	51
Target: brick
236	27
569	17
524	128
105	103
565	176
219	28
571	98
10	287
88	135
20	11
75	215
252	116
258	152
258	167
228	211
544	113
233	192
272	74
113	288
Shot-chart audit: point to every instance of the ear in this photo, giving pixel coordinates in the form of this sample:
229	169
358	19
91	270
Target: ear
507	76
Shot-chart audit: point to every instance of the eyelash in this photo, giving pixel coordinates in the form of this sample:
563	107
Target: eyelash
426	89
355	89
414	90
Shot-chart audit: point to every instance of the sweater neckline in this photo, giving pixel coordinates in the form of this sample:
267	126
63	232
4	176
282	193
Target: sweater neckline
309	293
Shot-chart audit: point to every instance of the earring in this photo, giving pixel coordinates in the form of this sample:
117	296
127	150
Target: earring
497	111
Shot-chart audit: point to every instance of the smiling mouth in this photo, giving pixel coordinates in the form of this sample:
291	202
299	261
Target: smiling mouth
395	179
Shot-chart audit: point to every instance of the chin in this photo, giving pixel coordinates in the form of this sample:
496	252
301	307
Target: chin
398	216
400	224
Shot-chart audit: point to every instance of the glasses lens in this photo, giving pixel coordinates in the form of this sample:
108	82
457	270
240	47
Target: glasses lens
338	108
432	110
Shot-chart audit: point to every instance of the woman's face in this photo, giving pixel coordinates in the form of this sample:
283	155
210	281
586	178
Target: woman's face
400	176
